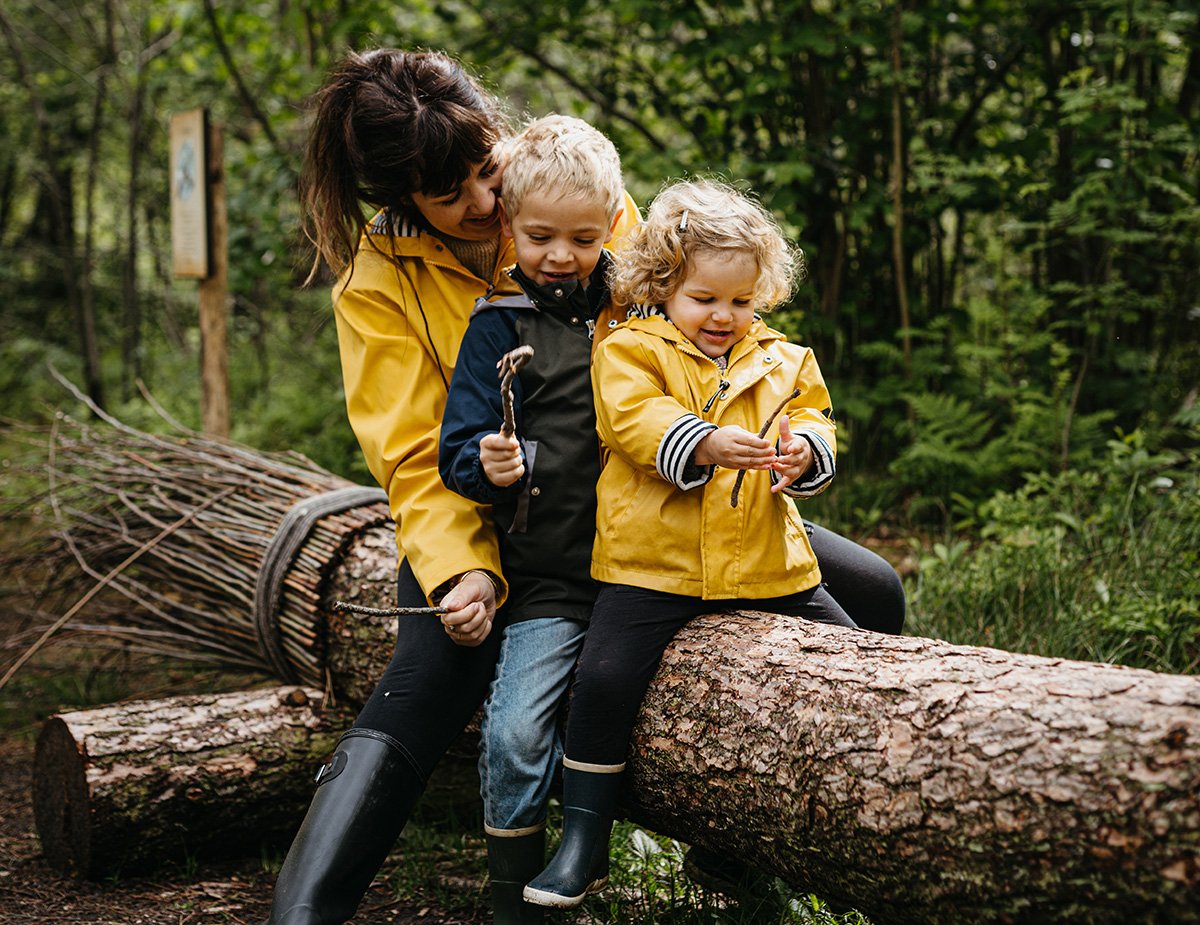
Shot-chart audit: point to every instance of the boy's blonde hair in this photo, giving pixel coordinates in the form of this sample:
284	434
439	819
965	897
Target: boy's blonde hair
564	155
690	217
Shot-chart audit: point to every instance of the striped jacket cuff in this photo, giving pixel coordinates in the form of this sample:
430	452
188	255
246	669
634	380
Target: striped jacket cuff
675	458
822	471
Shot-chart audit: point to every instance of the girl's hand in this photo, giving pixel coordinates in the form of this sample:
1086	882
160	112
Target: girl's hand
796	457
470	609
500	457
734	448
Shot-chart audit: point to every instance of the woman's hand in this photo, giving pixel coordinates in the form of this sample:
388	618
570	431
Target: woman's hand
734	448
470	609
796	457
500	457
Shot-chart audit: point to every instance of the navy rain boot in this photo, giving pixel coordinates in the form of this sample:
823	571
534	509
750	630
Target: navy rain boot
580	866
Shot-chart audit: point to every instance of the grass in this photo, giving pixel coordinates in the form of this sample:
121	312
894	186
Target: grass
442	861
1099	565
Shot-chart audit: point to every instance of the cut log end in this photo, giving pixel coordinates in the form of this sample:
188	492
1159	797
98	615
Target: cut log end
61	806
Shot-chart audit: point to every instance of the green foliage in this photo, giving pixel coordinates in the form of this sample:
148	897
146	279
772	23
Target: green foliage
1050	216
1100	564
648	886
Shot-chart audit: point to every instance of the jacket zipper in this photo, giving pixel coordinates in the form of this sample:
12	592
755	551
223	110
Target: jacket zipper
720	388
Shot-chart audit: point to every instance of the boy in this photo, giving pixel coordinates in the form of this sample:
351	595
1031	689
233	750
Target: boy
562	198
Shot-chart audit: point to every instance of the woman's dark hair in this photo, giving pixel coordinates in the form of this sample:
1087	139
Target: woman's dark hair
389	123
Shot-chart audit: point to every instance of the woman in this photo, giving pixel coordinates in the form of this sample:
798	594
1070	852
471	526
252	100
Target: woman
412	134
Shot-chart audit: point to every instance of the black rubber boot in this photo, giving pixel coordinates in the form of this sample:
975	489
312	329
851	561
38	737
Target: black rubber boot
580	866
512	862
364	797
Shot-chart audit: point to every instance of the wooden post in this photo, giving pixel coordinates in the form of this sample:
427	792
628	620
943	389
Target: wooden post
214	293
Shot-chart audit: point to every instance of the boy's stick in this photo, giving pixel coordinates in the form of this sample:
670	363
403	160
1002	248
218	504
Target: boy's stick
510	364
737	485
343	607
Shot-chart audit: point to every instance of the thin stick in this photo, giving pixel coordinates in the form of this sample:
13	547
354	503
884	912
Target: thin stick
737	485
344	607
100	585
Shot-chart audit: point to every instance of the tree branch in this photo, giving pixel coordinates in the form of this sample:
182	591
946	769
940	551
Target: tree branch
243	91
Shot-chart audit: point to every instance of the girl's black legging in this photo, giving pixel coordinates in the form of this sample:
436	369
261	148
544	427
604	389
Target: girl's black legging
629	630
432	687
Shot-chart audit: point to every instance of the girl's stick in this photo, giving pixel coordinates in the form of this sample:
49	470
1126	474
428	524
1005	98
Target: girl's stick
737	485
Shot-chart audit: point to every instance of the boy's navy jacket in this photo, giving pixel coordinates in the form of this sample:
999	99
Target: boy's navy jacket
547	519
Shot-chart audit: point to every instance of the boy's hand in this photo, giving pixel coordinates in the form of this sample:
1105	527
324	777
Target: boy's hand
734	448
500	457
796	457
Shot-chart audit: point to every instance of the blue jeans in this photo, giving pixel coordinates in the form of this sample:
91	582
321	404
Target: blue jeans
519	743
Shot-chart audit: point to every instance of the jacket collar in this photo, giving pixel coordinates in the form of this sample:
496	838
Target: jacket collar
660	326
569	298
407	238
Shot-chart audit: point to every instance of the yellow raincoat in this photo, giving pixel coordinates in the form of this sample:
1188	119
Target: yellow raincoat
667	525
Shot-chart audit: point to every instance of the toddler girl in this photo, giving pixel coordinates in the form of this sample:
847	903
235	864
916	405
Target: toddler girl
681	392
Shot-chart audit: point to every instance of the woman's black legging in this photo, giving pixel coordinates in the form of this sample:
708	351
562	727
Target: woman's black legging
431	688
629	630
866	586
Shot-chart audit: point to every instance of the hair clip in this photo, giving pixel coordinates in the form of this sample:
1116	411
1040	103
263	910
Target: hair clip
683	221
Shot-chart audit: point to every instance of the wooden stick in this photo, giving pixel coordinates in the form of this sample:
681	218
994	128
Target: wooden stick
344	607
737	485
510	364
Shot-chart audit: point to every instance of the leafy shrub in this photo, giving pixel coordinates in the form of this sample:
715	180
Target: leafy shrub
1101	564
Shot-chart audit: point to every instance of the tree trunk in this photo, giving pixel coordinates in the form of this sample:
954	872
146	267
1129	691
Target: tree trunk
922	782
129	786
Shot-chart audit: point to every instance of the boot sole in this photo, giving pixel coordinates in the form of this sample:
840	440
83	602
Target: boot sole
557	900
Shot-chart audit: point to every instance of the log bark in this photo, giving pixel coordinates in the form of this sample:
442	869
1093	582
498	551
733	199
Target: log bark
908	778
127	787
923	782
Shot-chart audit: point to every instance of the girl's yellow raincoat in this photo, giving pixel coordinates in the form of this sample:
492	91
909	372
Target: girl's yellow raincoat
667	525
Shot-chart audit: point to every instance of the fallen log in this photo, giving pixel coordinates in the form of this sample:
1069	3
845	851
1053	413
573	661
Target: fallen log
131	786
913	780
918	781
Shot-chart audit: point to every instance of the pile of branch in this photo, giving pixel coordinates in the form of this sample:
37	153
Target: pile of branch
174	530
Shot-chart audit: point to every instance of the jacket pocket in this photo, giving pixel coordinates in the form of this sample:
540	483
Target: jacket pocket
619	501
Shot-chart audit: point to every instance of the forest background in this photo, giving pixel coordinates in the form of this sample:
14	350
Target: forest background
999	203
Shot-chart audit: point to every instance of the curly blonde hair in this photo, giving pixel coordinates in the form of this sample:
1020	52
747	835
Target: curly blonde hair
690	217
